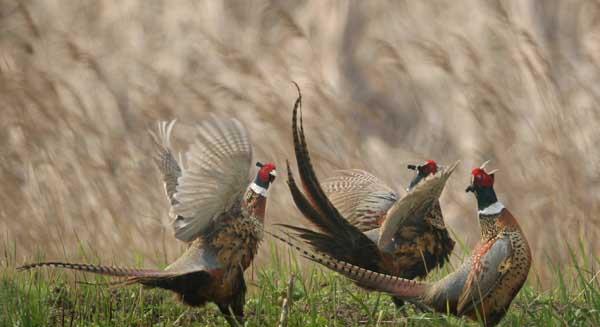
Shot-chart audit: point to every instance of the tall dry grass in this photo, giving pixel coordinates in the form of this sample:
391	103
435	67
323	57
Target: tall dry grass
384	84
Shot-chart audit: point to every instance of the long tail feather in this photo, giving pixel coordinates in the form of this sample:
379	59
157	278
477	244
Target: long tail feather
304	205
339	238
320	242
301	201
185	284
98	269
315	193
400	287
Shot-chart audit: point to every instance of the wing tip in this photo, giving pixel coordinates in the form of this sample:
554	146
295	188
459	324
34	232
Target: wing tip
452	167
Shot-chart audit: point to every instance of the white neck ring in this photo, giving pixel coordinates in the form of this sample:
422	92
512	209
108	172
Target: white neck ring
258	189
493	209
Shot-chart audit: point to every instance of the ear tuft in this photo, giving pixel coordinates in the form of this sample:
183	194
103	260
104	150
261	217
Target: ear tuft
484	164
259	164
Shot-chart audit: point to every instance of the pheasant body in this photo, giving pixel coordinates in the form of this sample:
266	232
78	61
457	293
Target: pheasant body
421	245
215	209
240	234
483	287
364	222
513	268
226	253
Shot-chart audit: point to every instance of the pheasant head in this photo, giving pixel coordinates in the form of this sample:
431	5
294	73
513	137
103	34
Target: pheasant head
264	177
423	170
482	185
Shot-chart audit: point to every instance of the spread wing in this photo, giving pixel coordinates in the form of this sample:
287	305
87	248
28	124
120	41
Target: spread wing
422	196
216	177
360	197
164	158
487	270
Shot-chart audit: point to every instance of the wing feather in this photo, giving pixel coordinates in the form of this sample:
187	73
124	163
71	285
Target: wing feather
164	158
360	197
218	174
485	274
422	196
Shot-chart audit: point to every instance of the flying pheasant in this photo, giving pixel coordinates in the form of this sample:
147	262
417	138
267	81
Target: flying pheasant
483	287
362	221
215	209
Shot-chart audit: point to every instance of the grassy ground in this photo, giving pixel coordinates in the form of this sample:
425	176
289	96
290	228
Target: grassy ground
319	298
385	84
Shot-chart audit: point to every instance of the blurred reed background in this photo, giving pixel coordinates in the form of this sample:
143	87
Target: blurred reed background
384	84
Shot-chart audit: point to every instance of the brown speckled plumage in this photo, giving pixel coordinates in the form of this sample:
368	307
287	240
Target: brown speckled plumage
513	268
214	209
483	287
364	222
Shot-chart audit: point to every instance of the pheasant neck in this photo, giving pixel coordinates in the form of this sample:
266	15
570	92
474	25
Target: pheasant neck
258	182
255	201
486	197
415	181
258	189
492	210
489	211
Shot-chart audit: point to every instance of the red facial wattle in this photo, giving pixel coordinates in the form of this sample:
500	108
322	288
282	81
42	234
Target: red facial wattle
481	178
430	167
265	172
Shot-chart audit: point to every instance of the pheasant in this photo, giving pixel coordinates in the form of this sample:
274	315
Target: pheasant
486	283
216	210
362	221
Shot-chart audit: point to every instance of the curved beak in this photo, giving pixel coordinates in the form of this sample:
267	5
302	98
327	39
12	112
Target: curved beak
272	175
471	187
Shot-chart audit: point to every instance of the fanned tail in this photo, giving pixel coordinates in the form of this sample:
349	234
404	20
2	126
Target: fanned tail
396	286
337	237
330	219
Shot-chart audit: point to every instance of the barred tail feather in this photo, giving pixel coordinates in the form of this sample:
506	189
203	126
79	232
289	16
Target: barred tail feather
345	242
399	287
331	217
96	269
